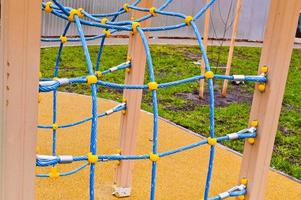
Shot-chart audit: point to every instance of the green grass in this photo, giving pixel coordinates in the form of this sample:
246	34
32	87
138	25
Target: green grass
174	62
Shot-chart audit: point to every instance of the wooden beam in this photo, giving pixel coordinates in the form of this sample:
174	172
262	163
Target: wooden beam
19	72
130	120
205	41
232	45
266	107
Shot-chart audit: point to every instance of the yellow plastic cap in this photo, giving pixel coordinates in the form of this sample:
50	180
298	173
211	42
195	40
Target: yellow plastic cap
91	79
212	141
244	181
55	126
188	20
54	173
154	157
48	8
126	7
127	70
209	74
63	39
134	26
152	11
251	140
153	86
261	87
104	20
254	123
107	33
39	98
241	197
92	158
71	15
264	69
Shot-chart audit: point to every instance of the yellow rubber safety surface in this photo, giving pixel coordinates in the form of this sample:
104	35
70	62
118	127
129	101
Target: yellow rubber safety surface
181	176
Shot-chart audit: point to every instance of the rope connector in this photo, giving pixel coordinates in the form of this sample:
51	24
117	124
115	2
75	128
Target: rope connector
153	86
39	98
241	197
80	12
63	39
124	101
71	15
91	79
54	173
212	141
188	20
48	7
126	7
264	69
104	20
55	126
92	159
107	33
154	157
254	123
152	11
98	74
209	74
134	26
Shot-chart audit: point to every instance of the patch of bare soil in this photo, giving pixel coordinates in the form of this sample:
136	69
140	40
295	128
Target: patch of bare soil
235	95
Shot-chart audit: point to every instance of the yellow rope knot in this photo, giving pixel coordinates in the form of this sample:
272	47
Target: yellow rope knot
254	123
126	7
48	8
154	157
104	20
92	159
152	11
188	20
124	101
153	86
212	141
55	126
209	74
134	26
98	74
91	79
107	33
63	39
251	140
54	173
77	12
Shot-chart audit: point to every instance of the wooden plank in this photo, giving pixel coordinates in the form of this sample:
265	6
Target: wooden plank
232	45
130	121
205	41
266	107
20	60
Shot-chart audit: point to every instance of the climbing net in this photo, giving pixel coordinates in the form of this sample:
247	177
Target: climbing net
79	17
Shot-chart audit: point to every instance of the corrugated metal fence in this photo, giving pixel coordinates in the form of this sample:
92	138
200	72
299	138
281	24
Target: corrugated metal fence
251	27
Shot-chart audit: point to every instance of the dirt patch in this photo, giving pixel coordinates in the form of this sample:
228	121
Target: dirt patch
235	95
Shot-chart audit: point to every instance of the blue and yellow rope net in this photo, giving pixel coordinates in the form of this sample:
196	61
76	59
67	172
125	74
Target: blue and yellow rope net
79	17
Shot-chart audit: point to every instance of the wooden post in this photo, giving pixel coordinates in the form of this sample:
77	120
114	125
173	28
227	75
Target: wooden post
232	45
266	107
19	72
205	41
130	120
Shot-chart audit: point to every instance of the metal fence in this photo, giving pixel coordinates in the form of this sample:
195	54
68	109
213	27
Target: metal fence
251	26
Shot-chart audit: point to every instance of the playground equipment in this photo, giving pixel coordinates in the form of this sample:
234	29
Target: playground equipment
263	119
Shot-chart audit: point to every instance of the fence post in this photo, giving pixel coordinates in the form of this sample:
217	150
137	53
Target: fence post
19	67
130	120
266	107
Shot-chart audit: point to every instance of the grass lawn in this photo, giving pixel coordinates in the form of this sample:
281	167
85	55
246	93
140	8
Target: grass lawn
181	104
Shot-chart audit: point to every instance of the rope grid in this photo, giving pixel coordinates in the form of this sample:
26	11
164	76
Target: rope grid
80	17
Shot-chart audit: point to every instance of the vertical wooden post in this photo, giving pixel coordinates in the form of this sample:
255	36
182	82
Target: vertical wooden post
266	107
232	45
205	41
130	120
19	61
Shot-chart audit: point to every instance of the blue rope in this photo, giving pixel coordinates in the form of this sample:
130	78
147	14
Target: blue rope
114	26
